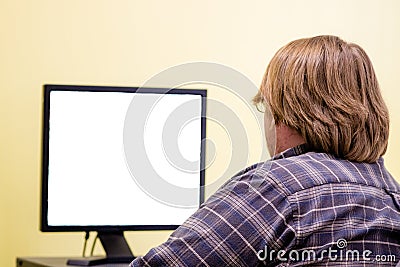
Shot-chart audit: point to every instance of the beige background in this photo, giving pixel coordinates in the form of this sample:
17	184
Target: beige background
125	43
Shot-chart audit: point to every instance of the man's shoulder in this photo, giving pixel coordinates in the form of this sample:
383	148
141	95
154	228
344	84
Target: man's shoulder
310	170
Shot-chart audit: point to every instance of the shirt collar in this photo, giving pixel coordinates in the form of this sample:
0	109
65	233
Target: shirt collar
294	151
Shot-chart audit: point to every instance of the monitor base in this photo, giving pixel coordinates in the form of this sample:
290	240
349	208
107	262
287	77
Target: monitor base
92	261
116	248
86	261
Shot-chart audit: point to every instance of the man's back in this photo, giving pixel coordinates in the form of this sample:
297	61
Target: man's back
353	208
300	207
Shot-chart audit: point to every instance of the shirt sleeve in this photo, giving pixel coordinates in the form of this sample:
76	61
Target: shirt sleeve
244	216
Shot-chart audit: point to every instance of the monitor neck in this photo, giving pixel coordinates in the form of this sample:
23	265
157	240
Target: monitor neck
116	248
115	244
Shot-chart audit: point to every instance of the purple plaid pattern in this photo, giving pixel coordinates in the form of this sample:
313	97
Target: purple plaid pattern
299	200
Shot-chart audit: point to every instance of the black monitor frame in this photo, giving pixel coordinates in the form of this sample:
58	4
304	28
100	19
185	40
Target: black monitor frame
103	229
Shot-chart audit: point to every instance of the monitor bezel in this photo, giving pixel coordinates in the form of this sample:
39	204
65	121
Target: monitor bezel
47	89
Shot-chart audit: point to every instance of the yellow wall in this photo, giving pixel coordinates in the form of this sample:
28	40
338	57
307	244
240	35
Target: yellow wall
125	42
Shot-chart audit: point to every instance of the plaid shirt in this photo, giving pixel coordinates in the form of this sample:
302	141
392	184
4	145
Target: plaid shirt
299	208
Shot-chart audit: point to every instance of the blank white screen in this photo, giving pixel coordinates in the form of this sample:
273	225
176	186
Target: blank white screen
89	182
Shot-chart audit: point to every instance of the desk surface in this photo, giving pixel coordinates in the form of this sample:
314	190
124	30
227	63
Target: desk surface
55	262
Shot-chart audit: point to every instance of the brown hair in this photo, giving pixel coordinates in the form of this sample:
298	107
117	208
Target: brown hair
327	90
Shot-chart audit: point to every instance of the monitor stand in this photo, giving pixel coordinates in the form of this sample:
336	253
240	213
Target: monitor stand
116	248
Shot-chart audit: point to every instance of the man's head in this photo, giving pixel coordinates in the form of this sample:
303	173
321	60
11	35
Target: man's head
327	91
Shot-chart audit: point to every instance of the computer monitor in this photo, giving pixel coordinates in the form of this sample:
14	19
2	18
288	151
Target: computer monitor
121	158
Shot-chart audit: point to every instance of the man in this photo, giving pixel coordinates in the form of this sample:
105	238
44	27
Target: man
325	198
